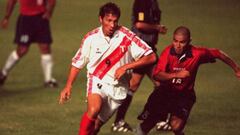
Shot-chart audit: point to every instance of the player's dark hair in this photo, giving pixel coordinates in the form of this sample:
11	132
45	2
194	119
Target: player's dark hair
183	30
109	8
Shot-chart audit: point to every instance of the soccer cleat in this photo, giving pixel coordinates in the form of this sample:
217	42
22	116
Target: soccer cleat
121	126
51	84
2	78
163	126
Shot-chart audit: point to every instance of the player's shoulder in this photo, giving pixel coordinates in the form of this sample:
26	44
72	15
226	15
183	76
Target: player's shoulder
92	33
198	48
125	30
168	48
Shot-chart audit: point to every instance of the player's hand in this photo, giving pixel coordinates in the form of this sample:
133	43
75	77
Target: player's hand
162	29
120	72
4	23
237	73
65	95
46	15
182	74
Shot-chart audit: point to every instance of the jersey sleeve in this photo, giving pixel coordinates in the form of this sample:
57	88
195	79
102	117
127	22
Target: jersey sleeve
139	48
140	13
81	58
162	62
208	55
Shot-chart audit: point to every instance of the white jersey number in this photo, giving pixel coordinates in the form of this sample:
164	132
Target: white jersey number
177	80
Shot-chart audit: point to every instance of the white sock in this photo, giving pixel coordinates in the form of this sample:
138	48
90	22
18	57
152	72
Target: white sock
47	64
10	63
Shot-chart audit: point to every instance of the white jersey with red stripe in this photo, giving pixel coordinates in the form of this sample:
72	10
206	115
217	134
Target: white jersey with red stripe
103	55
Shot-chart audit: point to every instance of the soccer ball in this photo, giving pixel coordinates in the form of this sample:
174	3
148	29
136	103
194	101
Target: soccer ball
163	126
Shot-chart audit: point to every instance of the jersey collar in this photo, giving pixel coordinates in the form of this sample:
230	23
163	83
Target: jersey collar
184	56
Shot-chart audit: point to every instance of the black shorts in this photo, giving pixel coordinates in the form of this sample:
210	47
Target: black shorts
161	102
31	29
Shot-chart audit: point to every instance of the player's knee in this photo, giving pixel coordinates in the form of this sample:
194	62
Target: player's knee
134	86
21	52
177	126
93	112
45	48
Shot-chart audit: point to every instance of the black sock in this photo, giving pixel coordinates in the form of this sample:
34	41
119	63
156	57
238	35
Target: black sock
122	110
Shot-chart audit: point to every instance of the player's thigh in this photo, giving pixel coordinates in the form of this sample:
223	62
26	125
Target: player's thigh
109	106
94	105
136	80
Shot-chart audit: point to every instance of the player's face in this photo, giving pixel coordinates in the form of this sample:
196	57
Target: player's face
180	41
109	24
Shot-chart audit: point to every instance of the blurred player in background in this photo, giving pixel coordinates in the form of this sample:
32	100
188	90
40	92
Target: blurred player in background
32	26
146	17
176	70
110	52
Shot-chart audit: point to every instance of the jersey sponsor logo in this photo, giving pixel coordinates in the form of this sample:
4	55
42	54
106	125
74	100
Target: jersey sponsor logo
140	16
177	80
178	69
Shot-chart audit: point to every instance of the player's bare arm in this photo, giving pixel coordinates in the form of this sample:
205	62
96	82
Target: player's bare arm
163	76
146	60
10	6
151	27
49	9
66	92
227	60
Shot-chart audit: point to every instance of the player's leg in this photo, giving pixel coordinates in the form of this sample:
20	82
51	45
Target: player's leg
177	125
163	124
119	124
23	40
155	112
181	108
87	124
47	65
12	60
44	39
109	106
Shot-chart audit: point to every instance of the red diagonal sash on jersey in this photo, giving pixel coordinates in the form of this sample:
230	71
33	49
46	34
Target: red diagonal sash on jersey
112	59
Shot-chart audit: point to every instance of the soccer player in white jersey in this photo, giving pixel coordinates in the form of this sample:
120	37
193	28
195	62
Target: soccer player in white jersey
109	52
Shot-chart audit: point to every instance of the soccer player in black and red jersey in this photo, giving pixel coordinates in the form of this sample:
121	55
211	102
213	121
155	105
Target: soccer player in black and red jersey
176	70
32	26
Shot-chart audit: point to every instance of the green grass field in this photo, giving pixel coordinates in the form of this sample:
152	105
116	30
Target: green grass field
27	108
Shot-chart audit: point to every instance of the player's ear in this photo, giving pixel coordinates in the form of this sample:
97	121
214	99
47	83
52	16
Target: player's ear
100	19
190	40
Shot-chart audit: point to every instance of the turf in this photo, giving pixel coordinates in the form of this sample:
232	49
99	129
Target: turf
27	108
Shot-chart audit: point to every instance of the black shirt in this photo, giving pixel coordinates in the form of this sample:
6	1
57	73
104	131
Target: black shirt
146	11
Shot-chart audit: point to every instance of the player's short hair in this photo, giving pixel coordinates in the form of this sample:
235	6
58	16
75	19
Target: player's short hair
109	8
183	30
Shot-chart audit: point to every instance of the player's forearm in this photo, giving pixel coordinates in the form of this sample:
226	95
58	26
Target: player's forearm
9	9
50	7
226	59
144	61
72	76
229	61
163	76
145	27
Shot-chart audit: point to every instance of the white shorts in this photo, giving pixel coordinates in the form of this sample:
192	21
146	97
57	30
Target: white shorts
112	96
